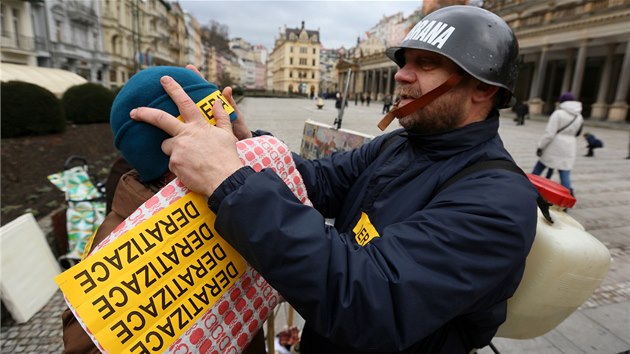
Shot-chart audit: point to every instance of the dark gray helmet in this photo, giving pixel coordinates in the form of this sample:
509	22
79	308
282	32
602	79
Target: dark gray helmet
477	40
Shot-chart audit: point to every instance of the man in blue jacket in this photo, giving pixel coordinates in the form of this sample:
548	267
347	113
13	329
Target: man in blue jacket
405	269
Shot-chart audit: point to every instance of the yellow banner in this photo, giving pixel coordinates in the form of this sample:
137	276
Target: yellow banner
143	290
205	106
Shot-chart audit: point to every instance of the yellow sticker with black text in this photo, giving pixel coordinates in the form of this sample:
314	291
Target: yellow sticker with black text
364	231
205	106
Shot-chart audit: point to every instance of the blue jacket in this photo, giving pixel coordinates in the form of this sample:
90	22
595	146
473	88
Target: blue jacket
593	142
438	277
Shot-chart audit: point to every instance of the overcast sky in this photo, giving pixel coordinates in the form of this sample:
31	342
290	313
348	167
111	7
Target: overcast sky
258	22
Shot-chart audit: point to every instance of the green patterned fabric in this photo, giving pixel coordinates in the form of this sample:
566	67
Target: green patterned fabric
86	210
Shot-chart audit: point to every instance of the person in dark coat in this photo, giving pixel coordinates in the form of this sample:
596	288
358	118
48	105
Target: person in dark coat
592	143
404	268
522	110
387	103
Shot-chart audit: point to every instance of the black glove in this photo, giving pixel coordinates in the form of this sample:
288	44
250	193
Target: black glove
539	152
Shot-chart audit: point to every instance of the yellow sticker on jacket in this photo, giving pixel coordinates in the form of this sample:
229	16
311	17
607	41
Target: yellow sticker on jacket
364	231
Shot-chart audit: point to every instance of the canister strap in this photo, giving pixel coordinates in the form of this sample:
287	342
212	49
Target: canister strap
543	204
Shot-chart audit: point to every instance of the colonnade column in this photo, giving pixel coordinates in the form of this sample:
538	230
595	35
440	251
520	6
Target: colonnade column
373	92
379	88
578	73
353	84
389	80
600	108
619	108
566	80
552	74
535	102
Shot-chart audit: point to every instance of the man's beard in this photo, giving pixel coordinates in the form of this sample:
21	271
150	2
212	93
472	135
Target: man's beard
442	114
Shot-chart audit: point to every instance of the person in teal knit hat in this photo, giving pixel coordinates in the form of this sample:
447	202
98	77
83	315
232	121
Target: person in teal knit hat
140	144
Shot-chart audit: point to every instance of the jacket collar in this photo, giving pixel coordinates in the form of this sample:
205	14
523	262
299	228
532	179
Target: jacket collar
445	144
131	193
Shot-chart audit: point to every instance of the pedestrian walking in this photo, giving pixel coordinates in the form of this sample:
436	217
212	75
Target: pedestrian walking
557	147
387	103
522	110
338	101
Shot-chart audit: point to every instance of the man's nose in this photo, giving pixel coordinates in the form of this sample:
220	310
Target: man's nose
405	75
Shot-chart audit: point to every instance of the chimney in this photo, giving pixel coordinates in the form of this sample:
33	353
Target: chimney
302	24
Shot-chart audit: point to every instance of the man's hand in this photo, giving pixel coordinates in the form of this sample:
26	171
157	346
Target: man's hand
201	155
240	129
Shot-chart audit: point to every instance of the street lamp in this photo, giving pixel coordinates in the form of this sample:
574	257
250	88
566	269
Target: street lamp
343	101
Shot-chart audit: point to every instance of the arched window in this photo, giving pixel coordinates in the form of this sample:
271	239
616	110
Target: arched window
115	44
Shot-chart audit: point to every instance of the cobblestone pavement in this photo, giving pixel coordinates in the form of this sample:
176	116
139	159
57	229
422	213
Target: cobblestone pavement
41	334
602	187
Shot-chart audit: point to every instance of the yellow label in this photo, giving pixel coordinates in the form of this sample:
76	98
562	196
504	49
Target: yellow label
88	245
364	231
205	106
143	290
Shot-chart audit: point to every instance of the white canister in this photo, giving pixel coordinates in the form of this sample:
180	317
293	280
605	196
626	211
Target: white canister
564	267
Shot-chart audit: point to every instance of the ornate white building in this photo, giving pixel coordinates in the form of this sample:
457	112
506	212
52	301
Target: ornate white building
75	39
372	72
18	41
572	45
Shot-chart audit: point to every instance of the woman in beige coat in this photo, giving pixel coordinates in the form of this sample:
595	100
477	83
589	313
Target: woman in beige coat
557	147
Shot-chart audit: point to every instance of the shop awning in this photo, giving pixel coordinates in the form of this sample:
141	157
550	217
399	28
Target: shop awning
56	81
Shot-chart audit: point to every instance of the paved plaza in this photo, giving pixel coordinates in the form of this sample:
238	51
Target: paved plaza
602	188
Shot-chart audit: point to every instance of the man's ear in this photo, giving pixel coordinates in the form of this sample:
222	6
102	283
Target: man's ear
484	92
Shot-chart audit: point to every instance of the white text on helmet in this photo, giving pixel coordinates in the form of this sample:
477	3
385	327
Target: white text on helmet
434	33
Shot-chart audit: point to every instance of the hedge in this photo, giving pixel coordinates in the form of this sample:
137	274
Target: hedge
28	109
87	103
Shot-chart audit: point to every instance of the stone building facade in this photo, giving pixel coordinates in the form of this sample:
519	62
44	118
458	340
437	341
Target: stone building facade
104	41
138	34
17	38
75	38
194	48
565	45
294	61
251	63
572	45
372	72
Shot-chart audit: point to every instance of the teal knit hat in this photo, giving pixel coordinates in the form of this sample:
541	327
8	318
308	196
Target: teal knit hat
141	143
